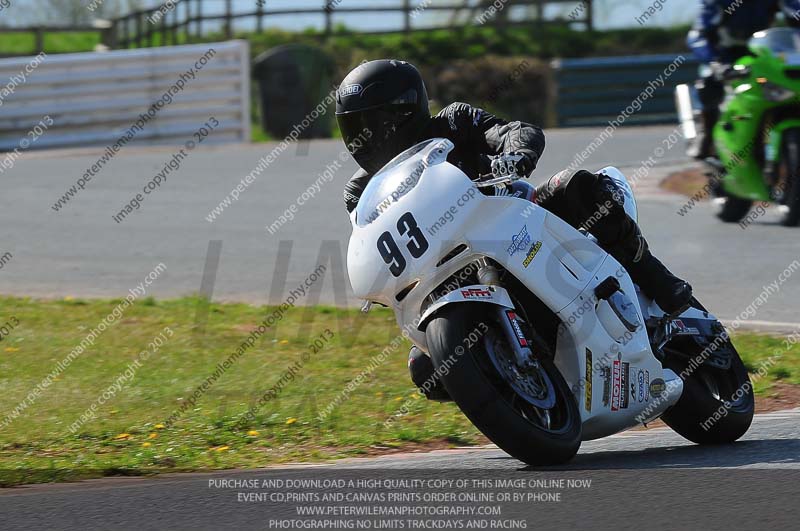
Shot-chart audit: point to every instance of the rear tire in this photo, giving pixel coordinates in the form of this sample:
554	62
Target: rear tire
488	401
732	209
701	414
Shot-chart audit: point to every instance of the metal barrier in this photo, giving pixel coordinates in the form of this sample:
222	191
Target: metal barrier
596	91
154	96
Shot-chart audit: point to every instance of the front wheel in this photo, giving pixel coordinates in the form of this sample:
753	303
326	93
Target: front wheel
731	209
788	189
531	415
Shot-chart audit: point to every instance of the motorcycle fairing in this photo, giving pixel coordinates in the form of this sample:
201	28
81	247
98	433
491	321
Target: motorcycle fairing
557	263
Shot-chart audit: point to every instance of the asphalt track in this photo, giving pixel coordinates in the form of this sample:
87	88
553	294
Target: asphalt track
637	480
81	251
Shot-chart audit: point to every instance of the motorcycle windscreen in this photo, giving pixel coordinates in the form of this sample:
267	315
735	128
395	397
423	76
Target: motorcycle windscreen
784	42
392	182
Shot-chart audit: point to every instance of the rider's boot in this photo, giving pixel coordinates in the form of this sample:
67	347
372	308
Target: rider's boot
424	376
671	293
620	235
703	148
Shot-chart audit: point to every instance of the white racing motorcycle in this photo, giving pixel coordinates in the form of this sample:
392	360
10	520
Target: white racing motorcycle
539	336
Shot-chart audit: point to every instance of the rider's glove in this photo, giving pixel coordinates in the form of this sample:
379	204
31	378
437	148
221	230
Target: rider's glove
512	163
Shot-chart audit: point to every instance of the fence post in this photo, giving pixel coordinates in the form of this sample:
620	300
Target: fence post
187	22
39	33
163	31
126	31
228	15
150	33
199	19
590	15
173	30
406	16
139	29
259	17
328	17
110	35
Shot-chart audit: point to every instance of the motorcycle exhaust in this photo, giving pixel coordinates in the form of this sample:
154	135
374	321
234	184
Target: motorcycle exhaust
689	108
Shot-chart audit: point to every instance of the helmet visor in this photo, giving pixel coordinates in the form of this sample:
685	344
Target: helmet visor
375	136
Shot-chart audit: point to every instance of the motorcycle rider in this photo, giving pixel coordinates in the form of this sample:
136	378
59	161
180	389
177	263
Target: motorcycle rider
388	98
720	35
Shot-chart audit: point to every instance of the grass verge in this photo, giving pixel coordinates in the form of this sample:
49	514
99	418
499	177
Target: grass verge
130	432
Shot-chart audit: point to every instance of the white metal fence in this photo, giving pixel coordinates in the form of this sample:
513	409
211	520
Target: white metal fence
153	95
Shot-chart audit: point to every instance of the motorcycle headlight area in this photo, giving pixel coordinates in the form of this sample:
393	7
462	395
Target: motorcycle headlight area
775	92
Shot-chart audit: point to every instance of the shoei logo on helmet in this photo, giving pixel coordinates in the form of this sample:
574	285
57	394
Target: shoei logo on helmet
350	90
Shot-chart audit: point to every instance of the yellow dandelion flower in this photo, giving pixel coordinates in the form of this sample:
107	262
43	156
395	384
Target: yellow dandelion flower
11	349
146	445
291	420
221	448
379	393
284	341
159	426
123	436
398	399
152	436
252	433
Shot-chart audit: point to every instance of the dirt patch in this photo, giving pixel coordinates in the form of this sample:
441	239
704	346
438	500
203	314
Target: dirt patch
778	397
687	182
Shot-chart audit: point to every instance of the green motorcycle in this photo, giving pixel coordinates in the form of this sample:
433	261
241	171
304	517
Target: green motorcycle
757	138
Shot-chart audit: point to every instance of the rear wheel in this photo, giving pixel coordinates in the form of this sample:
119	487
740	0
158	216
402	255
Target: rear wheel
530	414
787	191
716	406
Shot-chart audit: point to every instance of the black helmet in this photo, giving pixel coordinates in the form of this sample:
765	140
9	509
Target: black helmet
381	108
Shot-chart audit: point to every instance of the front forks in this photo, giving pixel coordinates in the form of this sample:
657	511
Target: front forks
508	318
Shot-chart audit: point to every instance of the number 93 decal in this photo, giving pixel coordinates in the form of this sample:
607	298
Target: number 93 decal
390	251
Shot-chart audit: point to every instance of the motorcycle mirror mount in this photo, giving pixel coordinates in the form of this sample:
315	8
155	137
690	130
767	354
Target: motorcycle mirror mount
736	72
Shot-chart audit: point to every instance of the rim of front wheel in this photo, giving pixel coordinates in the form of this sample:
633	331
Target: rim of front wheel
531	394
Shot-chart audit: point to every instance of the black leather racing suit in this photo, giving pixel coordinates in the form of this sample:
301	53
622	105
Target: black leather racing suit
573	196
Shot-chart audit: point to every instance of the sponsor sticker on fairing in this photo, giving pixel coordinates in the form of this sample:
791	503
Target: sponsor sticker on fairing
642	380
625	385
476	293
532	252
588	377
605	372
657	387
616	385
519	241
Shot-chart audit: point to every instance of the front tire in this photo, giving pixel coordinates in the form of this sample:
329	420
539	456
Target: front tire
507	419
732	209
789	196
